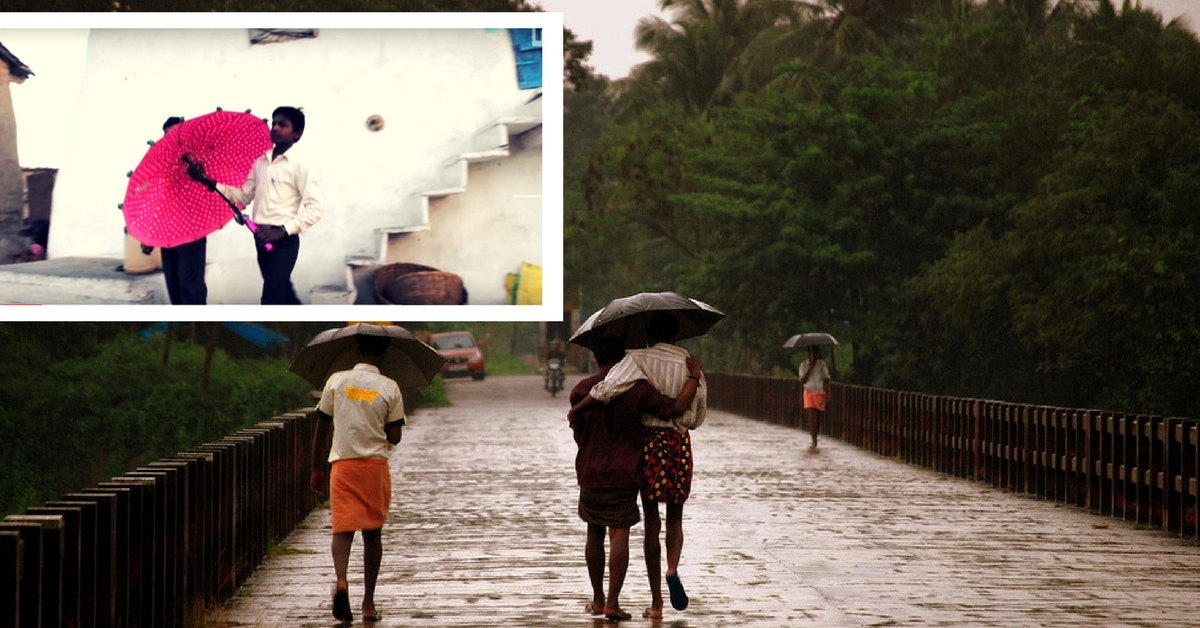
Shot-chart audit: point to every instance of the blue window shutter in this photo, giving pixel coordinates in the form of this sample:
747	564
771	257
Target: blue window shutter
527	47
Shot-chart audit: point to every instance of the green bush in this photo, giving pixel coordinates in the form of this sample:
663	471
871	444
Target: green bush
71	423
434	395
500	361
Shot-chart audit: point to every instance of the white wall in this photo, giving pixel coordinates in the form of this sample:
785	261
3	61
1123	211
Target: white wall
432	86
487	231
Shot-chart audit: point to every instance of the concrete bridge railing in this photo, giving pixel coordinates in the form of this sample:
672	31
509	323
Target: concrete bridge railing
1140	468
156	546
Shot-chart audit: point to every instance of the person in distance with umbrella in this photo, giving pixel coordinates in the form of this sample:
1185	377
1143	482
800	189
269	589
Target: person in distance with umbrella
610	439
360	420
286	202
814	377
183	265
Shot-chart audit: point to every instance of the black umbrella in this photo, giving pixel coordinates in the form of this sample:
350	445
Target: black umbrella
629	317
408	361
800	341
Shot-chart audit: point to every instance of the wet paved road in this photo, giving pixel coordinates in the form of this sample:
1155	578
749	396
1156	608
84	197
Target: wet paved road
484	532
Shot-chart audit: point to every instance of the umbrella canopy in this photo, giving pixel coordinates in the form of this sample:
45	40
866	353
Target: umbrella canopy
800	341
408	361
163	205
629	317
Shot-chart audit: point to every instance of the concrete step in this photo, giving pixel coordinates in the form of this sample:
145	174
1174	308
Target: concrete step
79	281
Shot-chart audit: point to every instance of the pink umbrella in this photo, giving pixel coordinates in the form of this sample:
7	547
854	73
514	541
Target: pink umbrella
164	206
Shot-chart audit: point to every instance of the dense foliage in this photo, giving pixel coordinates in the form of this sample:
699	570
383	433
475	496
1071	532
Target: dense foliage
81	402
995	199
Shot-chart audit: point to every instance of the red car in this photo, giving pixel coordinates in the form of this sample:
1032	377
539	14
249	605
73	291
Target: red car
463	357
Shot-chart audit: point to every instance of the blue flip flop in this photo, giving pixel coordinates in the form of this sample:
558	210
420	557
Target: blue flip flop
679	598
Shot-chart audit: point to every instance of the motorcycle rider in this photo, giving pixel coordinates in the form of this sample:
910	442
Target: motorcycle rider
557	351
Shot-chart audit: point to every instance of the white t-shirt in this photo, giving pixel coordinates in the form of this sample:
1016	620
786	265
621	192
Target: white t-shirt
361	402
816	378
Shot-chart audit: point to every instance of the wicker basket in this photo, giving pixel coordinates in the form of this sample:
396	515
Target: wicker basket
414	284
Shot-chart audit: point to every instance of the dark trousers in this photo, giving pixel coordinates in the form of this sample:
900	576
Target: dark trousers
276	266
183	269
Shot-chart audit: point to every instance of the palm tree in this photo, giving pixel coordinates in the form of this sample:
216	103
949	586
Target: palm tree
845	28
696	53
830	32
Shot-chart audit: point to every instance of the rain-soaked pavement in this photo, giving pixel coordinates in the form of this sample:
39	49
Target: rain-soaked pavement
484	532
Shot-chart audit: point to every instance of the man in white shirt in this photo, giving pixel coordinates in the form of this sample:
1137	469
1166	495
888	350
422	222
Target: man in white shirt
286	202
667	458
814	377
364	410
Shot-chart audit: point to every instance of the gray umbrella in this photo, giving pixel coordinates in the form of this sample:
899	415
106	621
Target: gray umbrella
810	340
408	361
628	317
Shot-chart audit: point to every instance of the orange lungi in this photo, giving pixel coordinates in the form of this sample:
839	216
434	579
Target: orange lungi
360	491
815	400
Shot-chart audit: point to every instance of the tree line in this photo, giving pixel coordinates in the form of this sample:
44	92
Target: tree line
83	402
988	199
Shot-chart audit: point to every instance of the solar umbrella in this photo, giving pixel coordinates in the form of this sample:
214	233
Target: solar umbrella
629	317
164	206
408	361
799	341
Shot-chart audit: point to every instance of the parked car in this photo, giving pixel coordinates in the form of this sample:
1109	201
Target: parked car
463	355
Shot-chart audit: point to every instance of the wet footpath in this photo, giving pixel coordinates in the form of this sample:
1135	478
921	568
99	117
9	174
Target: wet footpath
484	532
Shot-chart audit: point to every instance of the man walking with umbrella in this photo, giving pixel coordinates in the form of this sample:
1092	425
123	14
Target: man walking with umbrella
360	420
814	377
286	202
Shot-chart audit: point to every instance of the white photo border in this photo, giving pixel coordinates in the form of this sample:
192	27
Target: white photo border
551	308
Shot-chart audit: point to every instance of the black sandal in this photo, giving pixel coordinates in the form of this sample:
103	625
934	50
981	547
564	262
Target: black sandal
341	605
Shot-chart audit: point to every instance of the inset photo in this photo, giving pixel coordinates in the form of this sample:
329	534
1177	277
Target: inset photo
336	163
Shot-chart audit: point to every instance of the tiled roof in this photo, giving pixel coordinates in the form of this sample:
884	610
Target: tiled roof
15	67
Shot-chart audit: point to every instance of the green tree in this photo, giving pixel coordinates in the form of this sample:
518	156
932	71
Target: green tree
991	202
1086	289
696	54
113	406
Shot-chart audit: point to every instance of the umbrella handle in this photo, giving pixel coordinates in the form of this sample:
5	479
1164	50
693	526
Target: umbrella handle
242	219
254	229
237	213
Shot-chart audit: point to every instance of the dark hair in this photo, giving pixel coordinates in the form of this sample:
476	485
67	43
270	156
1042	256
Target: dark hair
608	350
172	121
663	327
293	114
373	346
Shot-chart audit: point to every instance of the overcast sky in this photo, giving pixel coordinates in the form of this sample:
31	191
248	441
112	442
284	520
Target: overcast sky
44	102
609	25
